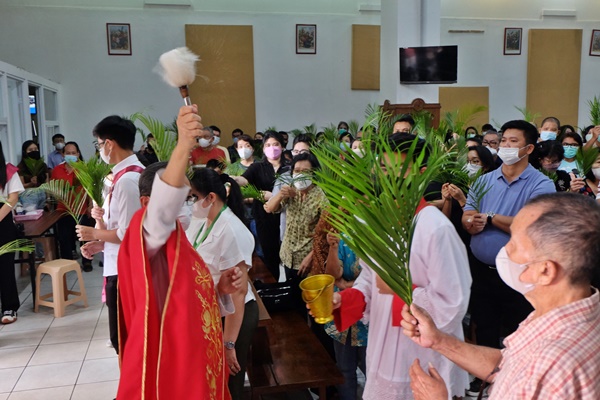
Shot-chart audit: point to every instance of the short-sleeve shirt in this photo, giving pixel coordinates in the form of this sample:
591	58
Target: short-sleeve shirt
228	243
302	217
201	156
14	185
55	158
507	199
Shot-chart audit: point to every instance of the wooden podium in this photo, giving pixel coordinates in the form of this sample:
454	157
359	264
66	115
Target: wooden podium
416	106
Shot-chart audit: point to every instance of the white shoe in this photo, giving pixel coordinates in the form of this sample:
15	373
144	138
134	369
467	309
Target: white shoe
109	344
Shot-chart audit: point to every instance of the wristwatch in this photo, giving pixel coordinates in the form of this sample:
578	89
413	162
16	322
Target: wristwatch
490	215
230	345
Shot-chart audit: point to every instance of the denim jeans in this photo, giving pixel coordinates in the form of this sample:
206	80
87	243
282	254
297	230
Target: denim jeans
348	358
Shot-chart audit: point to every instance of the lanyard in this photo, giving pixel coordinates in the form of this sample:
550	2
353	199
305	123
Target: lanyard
203	238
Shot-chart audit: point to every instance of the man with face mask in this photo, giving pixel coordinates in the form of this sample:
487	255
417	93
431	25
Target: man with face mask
496	309
116	137
209	148
554	353
57	156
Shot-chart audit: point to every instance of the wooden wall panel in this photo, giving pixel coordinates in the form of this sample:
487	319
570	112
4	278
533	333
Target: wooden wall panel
224	87
365	57
453	98
553	71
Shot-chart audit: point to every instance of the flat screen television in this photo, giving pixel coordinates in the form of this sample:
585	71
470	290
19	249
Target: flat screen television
32	105
432	64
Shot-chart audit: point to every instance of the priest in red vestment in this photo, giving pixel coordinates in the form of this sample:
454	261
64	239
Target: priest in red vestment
170	333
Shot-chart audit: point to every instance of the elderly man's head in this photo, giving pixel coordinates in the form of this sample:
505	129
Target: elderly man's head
556	236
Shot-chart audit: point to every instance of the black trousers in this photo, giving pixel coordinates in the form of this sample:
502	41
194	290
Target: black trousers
9	295
67	237
496	309
242	347
111	303
267	228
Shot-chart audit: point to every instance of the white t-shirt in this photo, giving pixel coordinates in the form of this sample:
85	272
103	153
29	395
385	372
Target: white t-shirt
13	185
228	243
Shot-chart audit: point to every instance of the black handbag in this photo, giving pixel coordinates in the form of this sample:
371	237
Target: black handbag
275	296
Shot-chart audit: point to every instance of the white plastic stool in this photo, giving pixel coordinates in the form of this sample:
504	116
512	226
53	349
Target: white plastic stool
57	269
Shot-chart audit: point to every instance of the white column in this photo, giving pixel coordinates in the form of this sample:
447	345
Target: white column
407	23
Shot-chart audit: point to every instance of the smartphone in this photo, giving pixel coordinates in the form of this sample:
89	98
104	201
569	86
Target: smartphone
575	172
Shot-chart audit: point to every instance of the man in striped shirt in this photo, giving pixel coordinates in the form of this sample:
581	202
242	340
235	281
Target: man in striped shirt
551	258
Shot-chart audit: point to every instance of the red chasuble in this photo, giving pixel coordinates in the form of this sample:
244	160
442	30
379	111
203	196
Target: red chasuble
179	354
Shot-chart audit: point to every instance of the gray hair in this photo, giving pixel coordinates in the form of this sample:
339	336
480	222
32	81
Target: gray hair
567	232
209	130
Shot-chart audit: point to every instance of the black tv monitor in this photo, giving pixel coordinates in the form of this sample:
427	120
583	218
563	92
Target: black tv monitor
32	105
431	64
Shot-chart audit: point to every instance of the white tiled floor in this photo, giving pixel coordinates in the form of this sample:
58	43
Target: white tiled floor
47	358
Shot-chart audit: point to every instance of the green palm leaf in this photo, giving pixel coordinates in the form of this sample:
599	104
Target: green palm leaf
374	200
459	119
164	139
35	167
23	245
594	105
528	115
91	174
252	192
72	199
586	157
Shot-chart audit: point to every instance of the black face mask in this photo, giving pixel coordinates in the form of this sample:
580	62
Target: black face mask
34	154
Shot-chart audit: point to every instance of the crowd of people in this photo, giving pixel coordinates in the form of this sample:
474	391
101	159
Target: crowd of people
178	251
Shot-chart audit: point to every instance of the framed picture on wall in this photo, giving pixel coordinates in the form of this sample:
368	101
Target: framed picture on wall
306	39
595	43
512	41
119	39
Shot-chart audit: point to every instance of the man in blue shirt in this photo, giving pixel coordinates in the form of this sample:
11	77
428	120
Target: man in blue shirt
497	309
57	156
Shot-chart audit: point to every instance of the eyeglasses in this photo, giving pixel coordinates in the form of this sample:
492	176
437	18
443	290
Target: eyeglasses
191	199
303	151
493	142
99	145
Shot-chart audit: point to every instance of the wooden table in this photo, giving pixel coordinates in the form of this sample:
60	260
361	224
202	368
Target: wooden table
36	229
296	360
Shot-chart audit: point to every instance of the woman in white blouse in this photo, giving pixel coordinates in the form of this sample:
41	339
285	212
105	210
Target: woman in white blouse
218	233
10	187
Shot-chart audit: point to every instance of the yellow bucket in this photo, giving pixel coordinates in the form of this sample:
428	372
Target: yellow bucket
317	292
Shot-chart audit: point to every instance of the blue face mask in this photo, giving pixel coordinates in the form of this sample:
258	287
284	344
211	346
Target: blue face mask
547	135
570	151
69	158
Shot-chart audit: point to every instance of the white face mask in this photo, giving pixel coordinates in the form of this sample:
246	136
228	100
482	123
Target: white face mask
589	136
59	146
596	172
510	272
510	155
359	152
105	157
245	153
547	135
493	151
302	181
472	169
198	211
204	143
216	140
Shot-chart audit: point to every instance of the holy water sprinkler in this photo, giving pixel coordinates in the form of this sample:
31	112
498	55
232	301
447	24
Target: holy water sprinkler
178	68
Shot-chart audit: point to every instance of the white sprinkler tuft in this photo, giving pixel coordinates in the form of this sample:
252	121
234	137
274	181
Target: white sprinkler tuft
178	67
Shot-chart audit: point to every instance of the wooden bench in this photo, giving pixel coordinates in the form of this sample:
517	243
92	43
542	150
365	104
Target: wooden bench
296	360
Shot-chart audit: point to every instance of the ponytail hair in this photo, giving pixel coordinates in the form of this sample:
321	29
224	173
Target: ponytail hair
206	180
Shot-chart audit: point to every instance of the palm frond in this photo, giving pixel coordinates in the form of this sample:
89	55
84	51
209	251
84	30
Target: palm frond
252	192
594	105
164	140
553	176
586	157
353	127
22	245
477	192
377	217
459	119
423	120
233	168
35	167
528	115
91	174
72	199
271	128
311	130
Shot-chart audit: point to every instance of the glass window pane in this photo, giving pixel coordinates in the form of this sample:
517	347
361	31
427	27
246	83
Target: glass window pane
50	105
